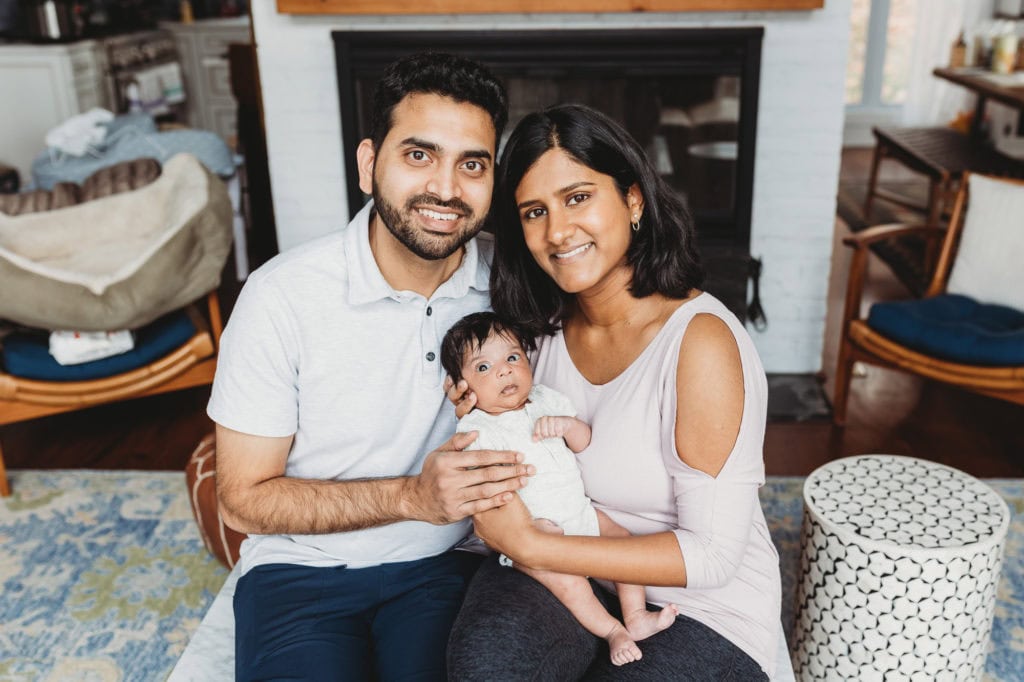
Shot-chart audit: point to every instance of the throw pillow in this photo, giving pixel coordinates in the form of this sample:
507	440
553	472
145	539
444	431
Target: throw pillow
990	261
121	177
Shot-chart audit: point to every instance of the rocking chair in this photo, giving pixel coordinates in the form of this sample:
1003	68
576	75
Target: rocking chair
968	329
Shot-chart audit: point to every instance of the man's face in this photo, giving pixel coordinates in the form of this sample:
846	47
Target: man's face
432	177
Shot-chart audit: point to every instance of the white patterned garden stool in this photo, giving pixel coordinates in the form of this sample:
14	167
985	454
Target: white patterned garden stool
899	570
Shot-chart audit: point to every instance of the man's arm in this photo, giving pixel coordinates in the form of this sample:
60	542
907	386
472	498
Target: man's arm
256	497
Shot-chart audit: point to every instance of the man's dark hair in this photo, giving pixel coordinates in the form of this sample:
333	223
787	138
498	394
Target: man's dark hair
471	332
662	252
437	73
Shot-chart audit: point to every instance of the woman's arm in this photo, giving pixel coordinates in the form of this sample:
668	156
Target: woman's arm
714	524
639	559
715	513
709	390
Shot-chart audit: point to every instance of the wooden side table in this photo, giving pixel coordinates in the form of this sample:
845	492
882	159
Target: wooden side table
942	155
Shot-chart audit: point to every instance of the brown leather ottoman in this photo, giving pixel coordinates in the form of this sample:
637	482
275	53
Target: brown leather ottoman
200	476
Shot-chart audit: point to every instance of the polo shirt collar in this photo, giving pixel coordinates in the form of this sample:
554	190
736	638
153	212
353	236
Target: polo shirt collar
366	284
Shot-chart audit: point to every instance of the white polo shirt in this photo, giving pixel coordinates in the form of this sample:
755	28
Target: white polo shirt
319	345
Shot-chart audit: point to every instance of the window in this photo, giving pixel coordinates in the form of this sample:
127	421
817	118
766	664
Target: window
881	41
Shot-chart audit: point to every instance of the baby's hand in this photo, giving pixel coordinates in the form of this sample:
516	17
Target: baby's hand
552	427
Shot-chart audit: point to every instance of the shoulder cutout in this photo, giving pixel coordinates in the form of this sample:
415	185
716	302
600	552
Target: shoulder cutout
709	392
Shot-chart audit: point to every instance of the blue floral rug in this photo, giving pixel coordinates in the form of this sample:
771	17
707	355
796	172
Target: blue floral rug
103	575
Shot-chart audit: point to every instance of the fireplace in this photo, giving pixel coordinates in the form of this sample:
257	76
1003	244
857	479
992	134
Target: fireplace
689	96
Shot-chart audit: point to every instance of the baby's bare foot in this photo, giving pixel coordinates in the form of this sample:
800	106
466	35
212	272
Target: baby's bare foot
623	649
642	623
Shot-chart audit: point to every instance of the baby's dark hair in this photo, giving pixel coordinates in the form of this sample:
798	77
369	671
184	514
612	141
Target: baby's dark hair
471	332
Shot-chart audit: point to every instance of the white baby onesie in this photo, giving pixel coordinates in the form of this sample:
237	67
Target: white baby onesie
555	491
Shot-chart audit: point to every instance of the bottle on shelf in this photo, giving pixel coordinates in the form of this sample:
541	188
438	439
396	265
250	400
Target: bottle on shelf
958	53
1004	49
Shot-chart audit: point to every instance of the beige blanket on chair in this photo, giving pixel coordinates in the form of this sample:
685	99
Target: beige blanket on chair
121	261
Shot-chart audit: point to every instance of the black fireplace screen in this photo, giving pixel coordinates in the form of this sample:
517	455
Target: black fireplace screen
689	96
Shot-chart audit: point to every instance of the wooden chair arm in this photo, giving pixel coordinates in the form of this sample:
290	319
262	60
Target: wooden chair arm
216	325
878	233
860	242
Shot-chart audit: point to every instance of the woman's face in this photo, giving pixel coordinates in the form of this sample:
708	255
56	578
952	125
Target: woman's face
576	222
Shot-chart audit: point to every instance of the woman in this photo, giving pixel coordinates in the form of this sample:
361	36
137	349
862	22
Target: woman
597	254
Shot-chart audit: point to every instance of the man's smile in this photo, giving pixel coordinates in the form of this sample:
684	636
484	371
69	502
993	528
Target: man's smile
437	215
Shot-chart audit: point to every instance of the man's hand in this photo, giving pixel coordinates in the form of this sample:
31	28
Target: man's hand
460	396
455	483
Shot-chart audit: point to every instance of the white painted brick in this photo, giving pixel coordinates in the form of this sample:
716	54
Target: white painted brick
796	229
796	169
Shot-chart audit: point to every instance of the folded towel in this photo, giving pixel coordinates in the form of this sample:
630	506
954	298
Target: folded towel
74	348
80	133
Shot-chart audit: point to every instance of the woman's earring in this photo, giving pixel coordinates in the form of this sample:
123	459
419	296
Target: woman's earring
636	223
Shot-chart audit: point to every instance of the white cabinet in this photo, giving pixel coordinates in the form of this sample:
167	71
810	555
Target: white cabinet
42	86
203	48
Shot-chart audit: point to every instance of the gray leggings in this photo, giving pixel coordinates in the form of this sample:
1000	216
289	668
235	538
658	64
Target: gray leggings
512	628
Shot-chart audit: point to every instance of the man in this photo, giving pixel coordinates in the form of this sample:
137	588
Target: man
331	418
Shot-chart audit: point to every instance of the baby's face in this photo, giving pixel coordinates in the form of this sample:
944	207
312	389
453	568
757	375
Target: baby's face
499	374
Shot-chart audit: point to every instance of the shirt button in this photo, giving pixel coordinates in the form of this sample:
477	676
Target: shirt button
431	356
430	311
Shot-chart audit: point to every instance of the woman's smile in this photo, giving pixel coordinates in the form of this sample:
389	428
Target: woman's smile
572	253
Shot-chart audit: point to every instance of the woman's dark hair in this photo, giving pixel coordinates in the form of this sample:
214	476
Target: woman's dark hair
662	253
437	73
471	332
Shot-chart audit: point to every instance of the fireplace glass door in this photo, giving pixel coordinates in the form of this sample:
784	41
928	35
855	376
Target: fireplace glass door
688	96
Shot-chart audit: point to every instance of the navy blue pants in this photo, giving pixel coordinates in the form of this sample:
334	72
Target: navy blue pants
387	622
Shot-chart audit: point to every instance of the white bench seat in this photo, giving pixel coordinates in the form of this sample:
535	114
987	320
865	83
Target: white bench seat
210	654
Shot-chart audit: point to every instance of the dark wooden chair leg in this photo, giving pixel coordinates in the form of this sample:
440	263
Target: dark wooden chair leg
844	373
937	199
937	189
876	160
5	488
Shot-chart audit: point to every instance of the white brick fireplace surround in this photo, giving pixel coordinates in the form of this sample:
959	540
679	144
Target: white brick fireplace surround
799	136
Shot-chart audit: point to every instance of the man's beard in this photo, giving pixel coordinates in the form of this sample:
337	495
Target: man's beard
428	246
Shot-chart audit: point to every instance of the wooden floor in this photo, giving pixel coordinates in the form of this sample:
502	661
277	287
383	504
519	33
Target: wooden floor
890	412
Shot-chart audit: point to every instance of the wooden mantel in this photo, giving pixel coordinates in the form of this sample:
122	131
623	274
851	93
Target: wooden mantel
532	6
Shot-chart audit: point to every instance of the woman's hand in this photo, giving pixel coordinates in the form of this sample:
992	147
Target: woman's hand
460	396
508	529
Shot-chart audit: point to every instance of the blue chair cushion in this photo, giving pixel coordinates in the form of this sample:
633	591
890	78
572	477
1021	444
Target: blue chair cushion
955	328
27	354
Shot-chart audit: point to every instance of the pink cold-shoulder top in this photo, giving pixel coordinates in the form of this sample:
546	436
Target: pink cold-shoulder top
632	472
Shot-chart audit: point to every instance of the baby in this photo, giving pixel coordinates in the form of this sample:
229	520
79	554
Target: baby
512	413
